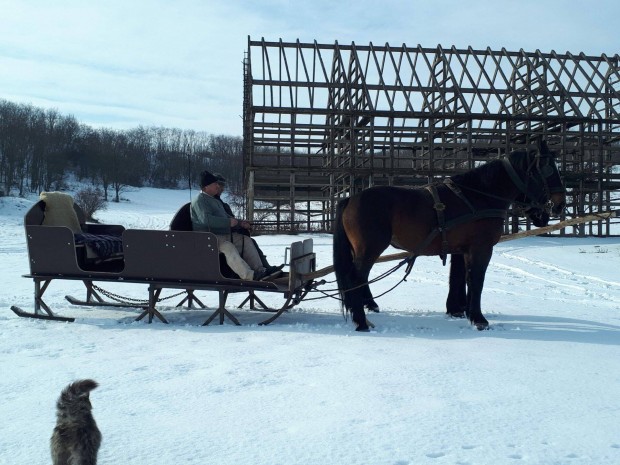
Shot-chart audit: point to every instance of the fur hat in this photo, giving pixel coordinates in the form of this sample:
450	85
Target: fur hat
207	178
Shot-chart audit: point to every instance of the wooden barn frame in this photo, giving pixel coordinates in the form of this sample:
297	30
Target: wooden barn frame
323	121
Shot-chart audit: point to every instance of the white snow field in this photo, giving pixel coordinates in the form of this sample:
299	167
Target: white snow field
542	386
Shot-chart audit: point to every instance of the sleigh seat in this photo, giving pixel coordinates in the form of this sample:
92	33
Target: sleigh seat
59	238
182	221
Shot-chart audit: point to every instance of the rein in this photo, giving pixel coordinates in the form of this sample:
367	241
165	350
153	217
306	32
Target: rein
406	261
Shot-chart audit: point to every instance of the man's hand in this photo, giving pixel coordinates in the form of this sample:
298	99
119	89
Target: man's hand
243	224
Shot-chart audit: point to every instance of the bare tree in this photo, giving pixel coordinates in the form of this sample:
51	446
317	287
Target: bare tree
39	148
90	200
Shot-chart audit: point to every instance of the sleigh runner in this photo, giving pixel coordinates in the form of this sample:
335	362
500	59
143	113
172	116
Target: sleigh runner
180	259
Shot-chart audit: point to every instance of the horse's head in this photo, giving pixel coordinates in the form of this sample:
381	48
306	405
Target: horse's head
538	179
537	216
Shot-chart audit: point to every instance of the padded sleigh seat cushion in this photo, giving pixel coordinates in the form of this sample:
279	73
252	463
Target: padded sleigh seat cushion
59	211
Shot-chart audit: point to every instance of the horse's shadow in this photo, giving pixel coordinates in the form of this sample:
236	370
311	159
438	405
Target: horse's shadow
432	325
507	326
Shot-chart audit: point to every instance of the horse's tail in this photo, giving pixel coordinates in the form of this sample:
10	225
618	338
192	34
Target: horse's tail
343	258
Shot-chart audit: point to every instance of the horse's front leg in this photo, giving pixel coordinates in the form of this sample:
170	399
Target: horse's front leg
456	303
477	262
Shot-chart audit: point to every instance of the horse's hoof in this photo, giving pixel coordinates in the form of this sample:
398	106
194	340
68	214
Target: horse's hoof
373	308
481	326
457	315
364	327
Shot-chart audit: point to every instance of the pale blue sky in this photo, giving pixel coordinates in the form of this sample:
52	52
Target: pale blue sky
178	63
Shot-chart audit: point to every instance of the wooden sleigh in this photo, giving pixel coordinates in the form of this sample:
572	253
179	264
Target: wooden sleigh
176	259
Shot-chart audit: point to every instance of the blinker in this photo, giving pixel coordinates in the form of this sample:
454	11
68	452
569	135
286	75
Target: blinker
546	171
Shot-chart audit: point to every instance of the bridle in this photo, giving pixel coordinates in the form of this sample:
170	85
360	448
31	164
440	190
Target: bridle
537	177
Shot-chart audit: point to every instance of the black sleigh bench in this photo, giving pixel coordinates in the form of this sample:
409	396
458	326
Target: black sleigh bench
174	259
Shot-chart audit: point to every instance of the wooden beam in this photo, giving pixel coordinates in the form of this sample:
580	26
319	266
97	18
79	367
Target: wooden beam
560	225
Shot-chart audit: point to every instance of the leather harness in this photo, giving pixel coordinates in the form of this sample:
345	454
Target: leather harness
444	226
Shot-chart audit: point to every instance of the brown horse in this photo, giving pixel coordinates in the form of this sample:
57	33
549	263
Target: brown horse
462	216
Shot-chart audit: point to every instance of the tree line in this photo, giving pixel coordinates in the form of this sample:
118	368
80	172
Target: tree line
40	148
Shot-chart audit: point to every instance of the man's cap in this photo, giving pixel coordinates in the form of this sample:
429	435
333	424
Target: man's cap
220	179
207	178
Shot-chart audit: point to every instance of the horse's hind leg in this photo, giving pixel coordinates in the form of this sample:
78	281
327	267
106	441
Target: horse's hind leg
369	301
352	285
360	293
369	231
456	303
357	312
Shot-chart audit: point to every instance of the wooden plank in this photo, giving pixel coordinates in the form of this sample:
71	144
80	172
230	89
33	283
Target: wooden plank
560	225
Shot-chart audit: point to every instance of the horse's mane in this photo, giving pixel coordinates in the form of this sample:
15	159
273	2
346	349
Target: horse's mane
481	176
488	174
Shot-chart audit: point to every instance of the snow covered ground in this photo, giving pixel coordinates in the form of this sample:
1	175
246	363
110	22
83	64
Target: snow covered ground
541	387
